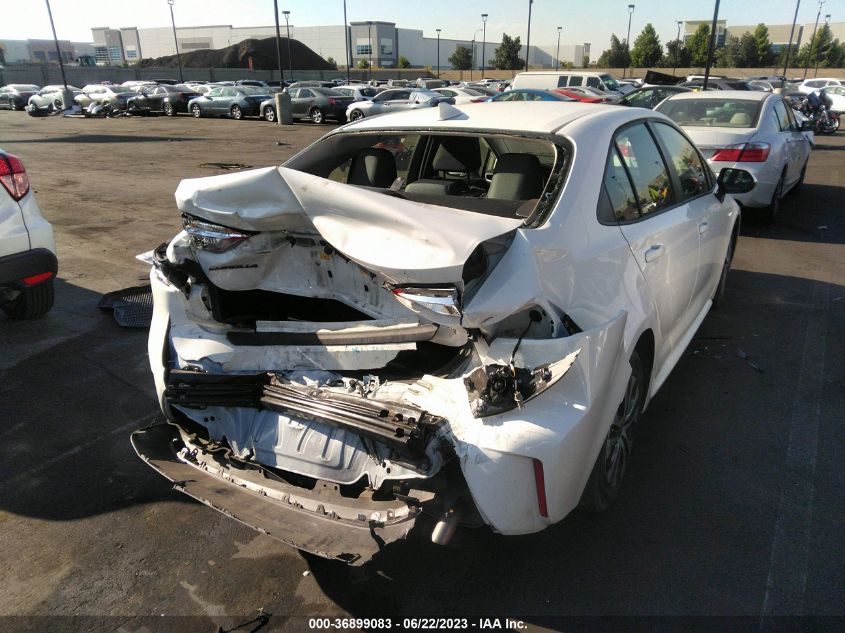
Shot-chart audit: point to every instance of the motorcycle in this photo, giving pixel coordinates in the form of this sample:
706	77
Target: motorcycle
816	107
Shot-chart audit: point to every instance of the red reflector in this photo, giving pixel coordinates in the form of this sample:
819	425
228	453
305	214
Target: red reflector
540	483
37	279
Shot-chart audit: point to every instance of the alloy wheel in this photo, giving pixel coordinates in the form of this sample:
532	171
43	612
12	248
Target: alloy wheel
236	113
617	446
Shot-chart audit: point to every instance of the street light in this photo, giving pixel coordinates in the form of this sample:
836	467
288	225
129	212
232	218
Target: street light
472	54
61	63
484	41
370	36
528	39
818	46
628	40
557	55
677	49
711	46
813	38
438	53
287	30
175	41
347	45
278	44
791	33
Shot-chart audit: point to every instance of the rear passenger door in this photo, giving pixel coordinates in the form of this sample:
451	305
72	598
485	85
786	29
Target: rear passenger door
792	141
662	235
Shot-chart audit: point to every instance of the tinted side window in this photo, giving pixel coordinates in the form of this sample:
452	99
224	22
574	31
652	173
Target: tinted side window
594	82
576	80
782	116
686	161
304	93
617	202
562	80
645	165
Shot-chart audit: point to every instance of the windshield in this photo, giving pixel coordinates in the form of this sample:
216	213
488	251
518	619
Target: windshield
610	82
25	87
368	92
733	113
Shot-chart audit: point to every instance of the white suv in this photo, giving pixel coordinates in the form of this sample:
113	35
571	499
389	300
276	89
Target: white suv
28	261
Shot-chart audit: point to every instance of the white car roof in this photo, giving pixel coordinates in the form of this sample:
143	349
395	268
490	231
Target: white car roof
719	95
543	117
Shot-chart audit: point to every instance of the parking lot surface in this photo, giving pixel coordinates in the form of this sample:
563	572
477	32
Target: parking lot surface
733	504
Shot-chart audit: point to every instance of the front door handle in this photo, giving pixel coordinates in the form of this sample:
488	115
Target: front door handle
702	228
654	252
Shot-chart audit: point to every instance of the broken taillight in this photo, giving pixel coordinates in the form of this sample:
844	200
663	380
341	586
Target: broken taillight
540	483
441	300
211	237
13	176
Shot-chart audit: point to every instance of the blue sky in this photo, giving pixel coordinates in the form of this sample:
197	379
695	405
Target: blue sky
591	21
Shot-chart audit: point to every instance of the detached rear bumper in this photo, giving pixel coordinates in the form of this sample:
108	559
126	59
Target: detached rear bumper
319	521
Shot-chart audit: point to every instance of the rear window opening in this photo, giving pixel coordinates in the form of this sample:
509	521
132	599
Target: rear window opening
506	175
739	113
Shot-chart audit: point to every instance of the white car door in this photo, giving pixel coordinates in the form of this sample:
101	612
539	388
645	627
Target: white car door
662	234
795	143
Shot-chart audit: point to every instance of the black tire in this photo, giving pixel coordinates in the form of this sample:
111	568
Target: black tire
800	184
236	113
58	105
32	110
31	303
719	295
609	470
317	116
270	114
168	109
773	209
356	115
196	111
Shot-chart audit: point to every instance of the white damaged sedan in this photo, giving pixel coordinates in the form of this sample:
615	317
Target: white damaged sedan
455	312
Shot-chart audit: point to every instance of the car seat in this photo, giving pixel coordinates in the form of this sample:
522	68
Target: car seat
372	167
516	177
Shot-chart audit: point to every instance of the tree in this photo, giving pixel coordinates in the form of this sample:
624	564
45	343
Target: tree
730	55
363	63
585	61
647	50
677	55
461	59
818	51
403	62
747	52
765	56
331	61
697	45
614	57
506	56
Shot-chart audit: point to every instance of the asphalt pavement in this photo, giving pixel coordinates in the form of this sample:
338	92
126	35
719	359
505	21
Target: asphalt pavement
733	505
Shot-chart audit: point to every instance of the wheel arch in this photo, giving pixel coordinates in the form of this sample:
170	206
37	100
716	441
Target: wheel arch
645	348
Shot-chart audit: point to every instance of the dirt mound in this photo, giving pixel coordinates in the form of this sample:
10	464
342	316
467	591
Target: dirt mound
263	53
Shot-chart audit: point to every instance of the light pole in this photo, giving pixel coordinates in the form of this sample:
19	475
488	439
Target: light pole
370	36
287	30
438	53
678	49
278	44
59	53
483	42
711	46
628	40
818	47
528	39
813	38
347	45
175	41
557	54
472	54
791	33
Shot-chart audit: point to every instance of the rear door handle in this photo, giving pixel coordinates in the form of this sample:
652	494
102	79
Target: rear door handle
654	251
702	228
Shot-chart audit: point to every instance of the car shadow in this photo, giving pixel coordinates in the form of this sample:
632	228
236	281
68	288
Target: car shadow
109	138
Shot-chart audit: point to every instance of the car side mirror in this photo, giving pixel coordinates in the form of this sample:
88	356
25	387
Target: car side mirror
731	180
806	125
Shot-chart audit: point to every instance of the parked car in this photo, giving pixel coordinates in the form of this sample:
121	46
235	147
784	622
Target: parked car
49	98
463	94
312	83
351	341
394	100
28	261
162	98
233	101
16	96
528	94
812	85
105	94
754	130
837	97
650	96
587	95
319	104
717	83
357	92
547	79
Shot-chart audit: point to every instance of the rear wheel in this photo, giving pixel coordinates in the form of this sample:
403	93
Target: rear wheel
719	295
774	206
31	303
270	114
317	115
168	109
195	110
356	115
236	113
800	184
612	462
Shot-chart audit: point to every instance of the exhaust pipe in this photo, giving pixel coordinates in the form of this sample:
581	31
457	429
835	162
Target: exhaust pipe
445	528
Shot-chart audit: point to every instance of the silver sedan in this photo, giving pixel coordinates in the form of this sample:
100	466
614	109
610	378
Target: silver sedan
395	100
